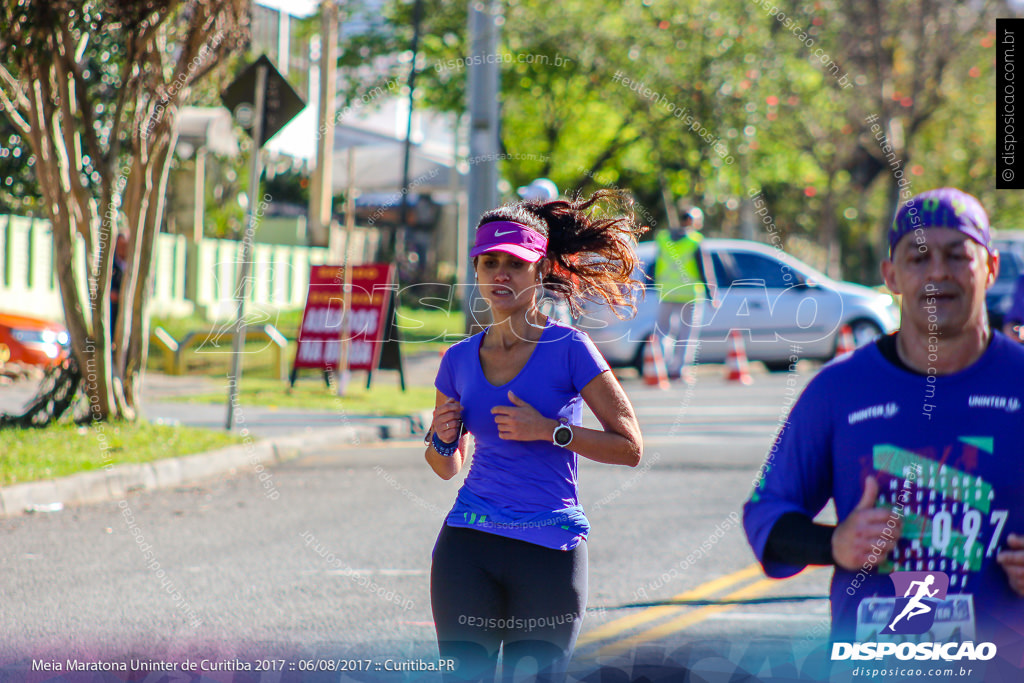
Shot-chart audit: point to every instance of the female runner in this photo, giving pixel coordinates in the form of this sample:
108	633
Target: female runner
510	563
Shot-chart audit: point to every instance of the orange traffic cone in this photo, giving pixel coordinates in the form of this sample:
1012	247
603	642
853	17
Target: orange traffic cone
845	344
736	360
655	373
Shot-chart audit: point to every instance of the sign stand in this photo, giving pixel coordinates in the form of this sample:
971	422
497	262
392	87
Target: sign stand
293	376
365	319
391	348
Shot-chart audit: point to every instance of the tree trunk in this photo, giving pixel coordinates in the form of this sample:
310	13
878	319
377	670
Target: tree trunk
137	344
893	190
830	229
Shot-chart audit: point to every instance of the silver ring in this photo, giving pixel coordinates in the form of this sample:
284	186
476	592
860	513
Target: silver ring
446	425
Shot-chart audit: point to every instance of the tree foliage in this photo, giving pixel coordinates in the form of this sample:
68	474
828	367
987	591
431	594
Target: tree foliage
94	87
726	98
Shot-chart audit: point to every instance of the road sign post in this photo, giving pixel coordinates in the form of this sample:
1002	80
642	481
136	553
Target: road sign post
262	102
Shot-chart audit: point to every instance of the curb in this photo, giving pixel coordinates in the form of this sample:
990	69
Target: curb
117	481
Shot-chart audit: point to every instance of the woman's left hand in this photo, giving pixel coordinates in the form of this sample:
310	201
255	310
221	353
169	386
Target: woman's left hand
521	421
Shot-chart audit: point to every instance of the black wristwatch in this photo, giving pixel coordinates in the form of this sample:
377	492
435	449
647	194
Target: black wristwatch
562	436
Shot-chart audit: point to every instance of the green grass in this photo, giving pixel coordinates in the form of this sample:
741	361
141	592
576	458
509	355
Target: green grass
416	324
311	393
63	449
422	325
422	331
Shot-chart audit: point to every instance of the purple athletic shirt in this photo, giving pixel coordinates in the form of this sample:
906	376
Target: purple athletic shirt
948	453
525	490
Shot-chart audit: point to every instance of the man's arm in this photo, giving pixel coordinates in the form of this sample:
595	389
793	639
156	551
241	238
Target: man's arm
794	485
796	539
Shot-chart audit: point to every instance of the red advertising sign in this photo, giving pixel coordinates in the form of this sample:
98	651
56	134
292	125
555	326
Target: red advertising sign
320	335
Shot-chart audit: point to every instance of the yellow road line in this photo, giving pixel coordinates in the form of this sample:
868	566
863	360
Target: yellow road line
614	628
688	619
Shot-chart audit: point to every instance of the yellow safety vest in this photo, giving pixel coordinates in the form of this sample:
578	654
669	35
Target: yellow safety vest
676	270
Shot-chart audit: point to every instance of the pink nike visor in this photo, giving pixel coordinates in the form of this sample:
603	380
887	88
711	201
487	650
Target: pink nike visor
511	238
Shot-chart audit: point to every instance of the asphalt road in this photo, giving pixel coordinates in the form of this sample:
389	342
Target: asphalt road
239	575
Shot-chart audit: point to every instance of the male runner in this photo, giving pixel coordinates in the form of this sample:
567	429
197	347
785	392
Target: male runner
919	440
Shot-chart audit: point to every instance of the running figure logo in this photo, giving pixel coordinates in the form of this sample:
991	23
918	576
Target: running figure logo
915	612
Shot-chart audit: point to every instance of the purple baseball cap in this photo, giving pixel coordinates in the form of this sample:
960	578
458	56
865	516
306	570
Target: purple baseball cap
946	207
511	238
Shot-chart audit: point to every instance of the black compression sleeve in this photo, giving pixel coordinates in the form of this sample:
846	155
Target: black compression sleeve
796	539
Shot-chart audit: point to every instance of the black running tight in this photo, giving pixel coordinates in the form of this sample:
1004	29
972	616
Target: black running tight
489	591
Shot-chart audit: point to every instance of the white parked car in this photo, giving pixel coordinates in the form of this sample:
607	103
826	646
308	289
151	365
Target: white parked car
781	305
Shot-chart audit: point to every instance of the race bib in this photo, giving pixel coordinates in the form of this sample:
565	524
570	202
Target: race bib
949	620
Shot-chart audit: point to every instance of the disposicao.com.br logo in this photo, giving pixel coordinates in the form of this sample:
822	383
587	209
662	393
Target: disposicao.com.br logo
914	613
918	598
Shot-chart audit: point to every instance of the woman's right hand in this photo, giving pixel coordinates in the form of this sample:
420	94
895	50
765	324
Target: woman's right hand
447	420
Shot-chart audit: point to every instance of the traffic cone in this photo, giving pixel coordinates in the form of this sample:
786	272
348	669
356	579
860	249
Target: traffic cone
845	344
655	373
736	360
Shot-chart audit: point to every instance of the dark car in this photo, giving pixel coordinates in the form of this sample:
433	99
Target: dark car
1000	295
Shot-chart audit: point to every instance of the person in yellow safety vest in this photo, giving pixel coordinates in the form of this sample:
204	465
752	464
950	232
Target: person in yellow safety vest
679	273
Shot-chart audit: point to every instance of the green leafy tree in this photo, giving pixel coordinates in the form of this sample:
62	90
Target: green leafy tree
94	87
19	191
725	98
859	104
568	109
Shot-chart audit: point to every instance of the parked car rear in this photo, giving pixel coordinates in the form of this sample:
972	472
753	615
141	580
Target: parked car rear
781	305
32	341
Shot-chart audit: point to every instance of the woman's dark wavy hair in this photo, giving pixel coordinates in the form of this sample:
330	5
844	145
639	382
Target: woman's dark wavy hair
590	246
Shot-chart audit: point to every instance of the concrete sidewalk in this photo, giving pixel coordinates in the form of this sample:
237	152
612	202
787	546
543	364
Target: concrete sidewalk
271	436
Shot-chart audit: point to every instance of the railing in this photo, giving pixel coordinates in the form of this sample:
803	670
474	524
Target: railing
173	352
188	278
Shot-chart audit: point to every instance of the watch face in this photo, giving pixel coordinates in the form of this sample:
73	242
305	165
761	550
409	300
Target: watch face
563	435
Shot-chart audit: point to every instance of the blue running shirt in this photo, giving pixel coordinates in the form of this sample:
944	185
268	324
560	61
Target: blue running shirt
525	490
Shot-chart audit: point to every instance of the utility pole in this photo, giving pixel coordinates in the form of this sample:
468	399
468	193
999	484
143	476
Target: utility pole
321	196
482	89
399	235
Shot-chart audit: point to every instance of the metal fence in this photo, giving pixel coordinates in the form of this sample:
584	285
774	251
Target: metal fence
188	278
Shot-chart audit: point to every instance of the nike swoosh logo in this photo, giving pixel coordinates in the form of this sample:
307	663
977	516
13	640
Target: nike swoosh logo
502	234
